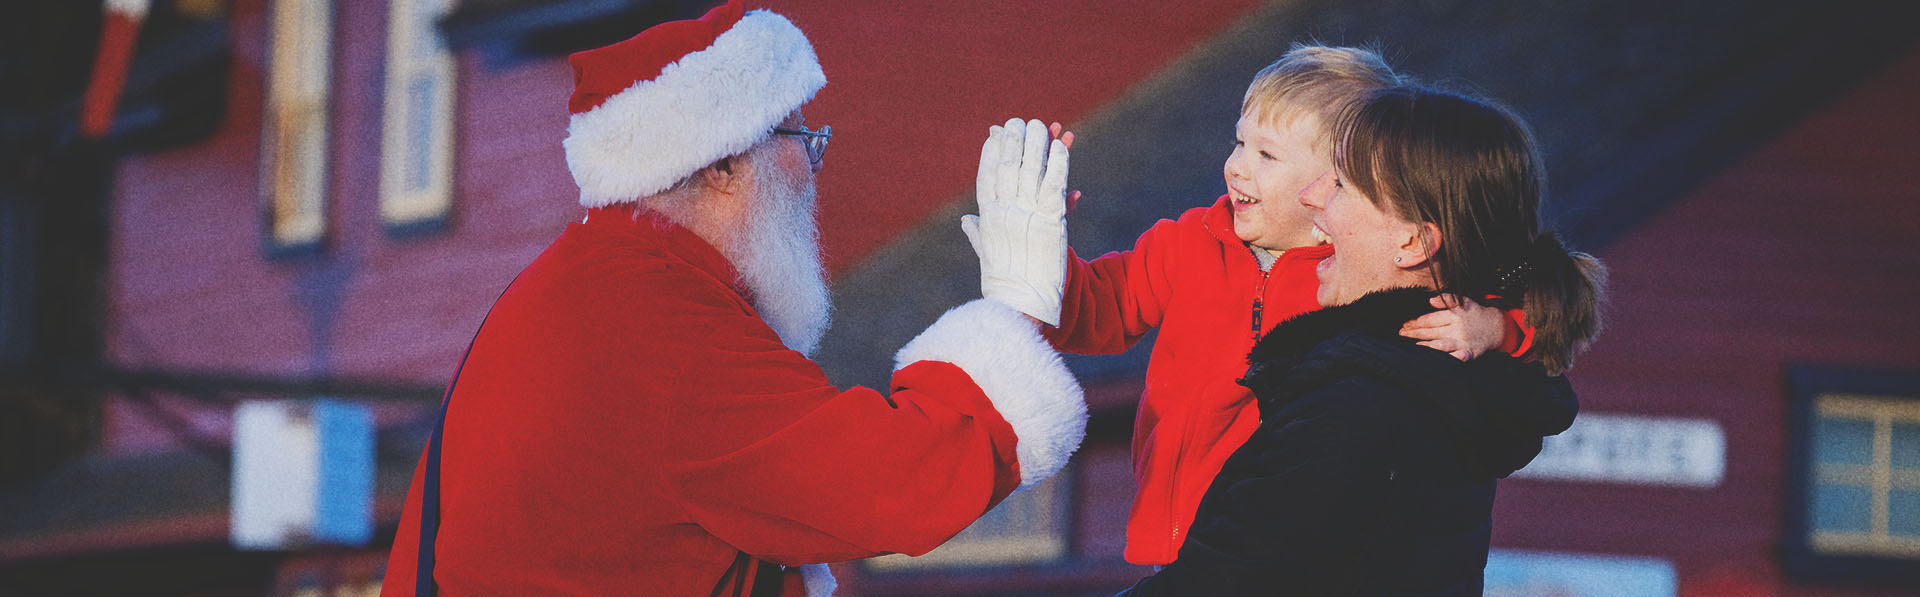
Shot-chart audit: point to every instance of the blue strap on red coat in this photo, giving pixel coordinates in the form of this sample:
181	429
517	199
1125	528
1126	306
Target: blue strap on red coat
430	486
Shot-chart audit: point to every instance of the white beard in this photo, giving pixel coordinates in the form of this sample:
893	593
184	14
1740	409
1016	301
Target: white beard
778	257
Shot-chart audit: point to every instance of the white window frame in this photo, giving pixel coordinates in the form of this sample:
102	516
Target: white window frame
417	137
293	146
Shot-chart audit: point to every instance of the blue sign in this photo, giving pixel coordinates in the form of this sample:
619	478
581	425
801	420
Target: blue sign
1513	572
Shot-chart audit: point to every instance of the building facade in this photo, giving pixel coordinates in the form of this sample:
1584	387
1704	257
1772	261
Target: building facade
372	175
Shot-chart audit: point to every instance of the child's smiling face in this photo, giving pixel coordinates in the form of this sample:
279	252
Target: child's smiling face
1271	163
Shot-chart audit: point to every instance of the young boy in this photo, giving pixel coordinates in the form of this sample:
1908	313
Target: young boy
1211	281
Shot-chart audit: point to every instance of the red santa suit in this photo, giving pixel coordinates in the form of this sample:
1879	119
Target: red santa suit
626	424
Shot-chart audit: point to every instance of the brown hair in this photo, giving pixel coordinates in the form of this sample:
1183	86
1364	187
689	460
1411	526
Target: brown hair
1471	169
1315	80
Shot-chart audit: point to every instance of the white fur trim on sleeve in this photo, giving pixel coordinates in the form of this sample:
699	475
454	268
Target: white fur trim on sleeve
819	580
708	105
1024	377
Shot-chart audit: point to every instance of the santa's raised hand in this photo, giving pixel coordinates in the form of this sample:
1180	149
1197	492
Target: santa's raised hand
1020	234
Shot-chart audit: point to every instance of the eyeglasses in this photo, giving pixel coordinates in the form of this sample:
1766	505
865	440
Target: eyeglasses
816	140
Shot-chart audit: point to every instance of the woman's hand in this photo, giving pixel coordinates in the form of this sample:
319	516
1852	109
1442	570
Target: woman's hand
1464	329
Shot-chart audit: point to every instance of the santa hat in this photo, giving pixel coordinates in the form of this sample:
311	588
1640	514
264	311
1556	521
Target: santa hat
655	108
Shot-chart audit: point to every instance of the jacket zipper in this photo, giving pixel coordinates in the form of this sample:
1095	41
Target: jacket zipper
1259	307
1259	302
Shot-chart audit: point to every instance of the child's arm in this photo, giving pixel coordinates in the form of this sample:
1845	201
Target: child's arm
1112	301
1466	329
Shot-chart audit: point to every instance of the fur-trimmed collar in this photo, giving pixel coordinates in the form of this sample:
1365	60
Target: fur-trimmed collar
1379	313
1496	407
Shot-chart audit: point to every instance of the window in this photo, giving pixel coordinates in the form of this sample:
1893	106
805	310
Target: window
1865	496
1854	504
293	150
416	152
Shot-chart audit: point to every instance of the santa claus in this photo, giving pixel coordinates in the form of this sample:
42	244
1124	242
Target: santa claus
638	415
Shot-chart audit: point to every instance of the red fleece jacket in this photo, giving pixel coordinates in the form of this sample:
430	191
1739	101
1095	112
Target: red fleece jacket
1195	281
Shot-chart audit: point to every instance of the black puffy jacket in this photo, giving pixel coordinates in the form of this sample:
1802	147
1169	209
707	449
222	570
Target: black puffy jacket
1373	469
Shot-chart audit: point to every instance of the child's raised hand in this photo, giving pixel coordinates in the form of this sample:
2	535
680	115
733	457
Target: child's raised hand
1462	328
1073	197
1054	131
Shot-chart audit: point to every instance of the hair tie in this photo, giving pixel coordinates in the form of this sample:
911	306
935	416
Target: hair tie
1510	281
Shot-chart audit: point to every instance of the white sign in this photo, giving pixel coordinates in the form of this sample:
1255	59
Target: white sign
1634	450
302	474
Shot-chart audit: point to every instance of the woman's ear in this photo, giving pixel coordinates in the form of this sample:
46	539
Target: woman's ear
1421	244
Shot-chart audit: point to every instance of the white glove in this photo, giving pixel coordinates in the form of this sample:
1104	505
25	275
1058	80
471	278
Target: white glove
1020	235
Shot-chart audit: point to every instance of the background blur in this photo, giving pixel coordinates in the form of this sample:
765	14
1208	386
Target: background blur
221	203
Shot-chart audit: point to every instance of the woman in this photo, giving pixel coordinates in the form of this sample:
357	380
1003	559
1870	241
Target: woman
1374	466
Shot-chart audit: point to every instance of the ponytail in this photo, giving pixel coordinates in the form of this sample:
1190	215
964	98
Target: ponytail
1471	169
1562	291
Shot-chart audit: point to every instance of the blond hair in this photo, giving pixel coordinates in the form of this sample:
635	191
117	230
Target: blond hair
1315	80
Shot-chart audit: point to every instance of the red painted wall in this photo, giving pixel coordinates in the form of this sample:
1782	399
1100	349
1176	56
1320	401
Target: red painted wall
1795	254
912	88
192	289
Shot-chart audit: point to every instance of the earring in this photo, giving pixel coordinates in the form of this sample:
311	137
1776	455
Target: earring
1396	260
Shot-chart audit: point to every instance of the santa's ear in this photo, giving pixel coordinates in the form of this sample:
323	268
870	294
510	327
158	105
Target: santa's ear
726	175
1421	243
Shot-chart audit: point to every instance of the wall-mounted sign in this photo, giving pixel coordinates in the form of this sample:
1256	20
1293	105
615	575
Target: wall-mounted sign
302	474
1635	450
1514	573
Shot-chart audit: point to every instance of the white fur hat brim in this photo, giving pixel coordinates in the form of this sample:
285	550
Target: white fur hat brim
708	105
